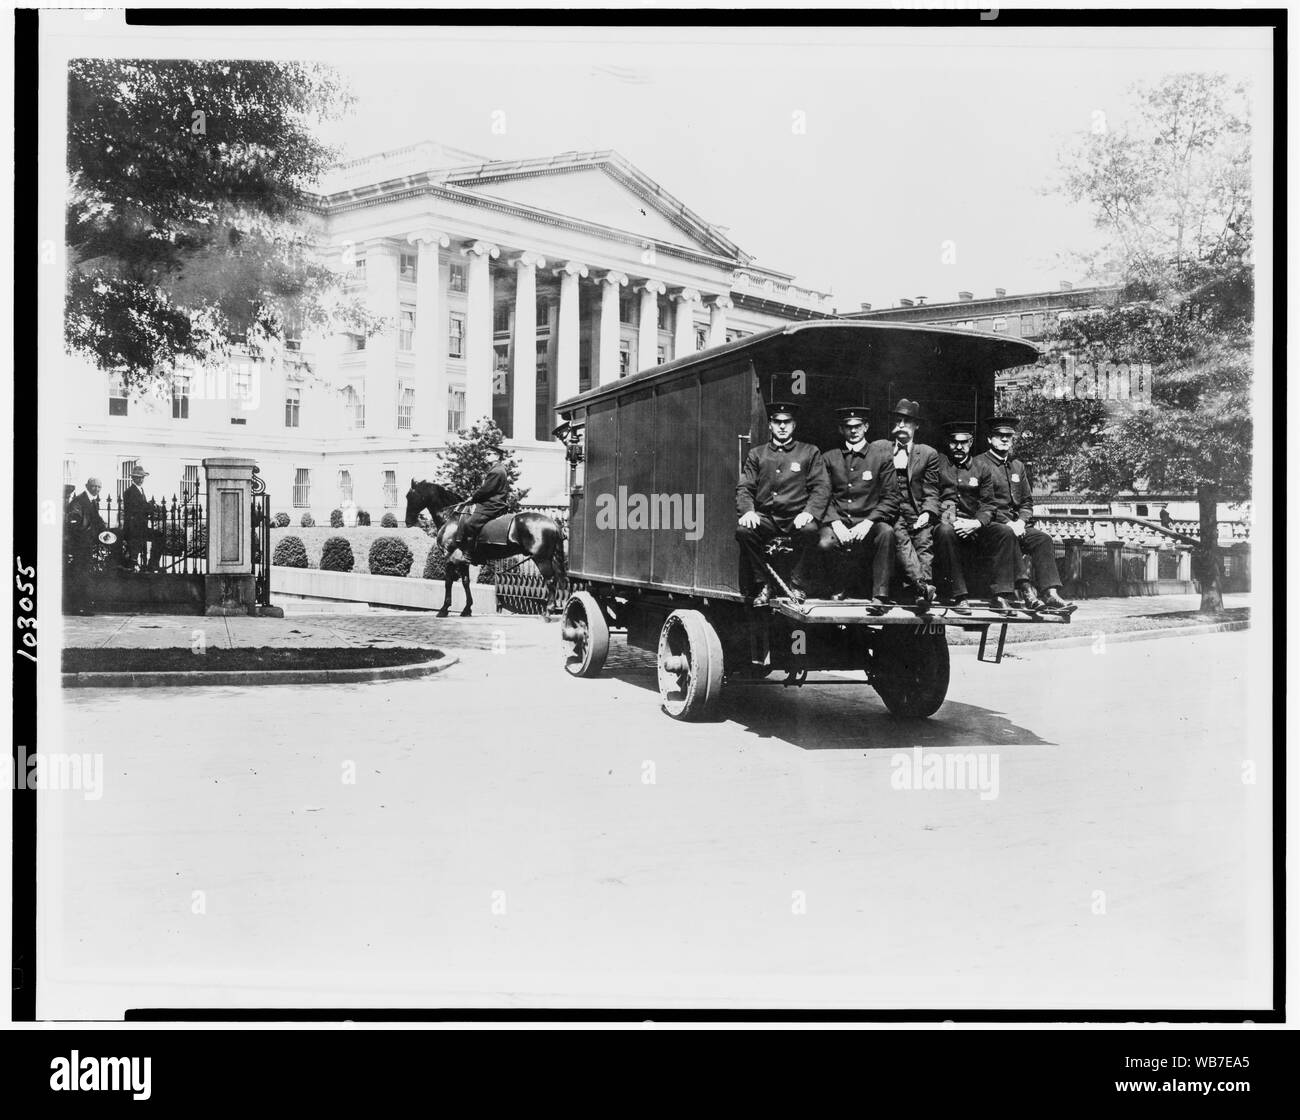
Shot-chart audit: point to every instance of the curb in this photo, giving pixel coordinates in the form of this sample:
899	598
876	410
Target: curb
253	677
1195	630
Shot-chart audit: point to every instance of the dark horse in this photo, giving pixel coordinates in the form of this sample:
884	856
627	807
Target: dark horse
533	535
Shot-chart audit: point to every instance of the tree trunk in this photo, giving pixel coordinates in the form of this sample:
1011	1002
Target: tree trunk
1208	553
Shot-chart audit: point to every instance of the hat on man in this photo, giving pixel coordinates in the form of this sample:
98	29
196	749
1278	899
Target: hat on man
853	412
138	472
1007	424
782	408
953	427
909	410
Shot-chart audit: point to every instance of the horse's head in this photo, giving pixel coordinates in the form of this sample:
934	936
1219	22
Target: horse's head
428	496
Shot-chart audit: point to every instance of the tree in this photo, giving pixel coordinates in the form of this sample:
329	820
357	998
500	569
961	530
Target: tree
1171	195
187	229
465	461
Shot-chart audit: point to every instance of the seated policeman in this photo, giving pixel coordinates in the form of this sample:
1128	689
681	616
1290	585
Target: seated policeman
956	537
1009	504
864	502
783	491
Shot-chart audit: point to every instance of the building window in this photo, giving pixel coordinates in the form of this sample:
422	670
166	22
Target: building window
661	355
1142	511
406	328
661	308
405	406
124	477
407	266
501	318
359	266
190	482
69	472
543	313
345	484
181	396
116	394
356	343
455	409
354	407
301	488
241	384
293	332
627	309
456	278
701	338
390	488
624	357
292	407
543	369
456	335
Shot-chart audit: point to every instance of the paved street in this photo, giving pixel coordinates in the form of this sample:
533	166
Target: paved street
492	836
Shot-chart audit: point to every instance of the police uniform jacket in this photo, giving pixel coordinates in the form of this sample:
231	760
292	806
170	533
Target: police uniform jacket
922	480
493	494
1010	496
965	491
784	483
864	485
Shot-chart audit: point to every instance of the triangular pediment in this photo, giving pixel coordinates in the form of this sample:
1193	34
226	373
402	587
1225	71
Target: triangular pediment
592	194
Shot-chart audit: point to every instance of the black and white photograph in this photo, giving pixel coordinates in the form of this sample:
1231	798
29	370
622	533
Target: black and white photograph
718	516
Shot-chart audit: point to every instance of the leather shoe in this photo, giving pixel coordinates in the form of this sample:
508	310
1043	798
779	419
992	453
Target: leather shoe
1000	603
1052	597
763	597
1029	597
959	603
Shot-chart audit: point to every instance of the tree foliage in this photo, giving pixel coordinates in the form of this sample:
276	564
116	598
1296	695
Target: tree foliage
466	459
186	224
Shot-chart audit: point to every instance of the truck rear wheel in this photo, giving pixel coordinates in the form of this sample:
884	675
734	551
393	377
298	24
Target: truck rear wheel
690	666
910	672
585	634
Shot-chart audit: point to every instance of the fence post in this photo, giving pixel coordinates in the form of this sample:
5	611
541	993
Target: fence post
230	582
1116	550
1153	569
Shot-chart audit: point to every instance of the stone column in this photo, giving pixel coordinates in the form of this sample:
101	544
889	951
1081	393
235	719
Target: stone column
525	344
1153	566
430	392
566	351
607	360
381	349
718	319
1185	565
229	581
647	342
478	331
684	303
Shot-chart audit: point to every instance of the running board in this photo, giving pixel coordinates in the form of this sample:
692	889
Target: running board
849	612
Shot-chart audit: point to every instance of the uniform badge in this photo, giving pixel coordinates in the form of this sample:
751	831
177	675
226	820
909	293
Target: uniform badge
795	467
1015	478
972	481
866	474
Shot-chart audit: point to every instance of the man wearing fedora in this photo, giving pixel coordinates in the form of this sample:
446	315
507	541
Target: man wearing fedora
858	537
143	542
1009	531
783	491
917	465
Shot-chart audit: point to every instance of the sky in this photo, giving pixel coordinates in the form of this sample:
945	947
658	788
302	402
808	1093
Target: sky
850	159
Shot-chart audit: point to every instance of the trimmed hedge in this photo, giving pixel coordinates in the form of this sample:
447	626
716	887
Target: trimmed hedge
281	521
307	521
290	553
389	520
390	556
336	519
435	564
337	556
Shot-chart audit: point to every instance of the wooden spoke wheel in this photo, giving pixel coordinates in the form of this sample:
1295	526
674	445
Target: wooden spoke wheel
585	633
910	671
690	666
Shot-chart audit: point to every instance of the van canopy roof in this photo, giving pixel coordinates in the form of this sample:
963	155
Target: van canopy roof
841	343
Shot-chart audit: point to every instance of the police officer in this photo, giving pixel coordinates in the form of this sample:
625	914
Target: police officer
783	491
858	534
961	513
917	465
490	500
1009	503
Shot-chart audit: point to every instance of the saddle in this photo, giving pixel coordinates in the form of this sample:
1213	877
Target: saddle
496	533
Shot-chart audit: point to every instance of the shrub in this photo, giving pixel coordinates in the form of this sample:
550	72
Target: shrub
363	518
390	556
435	563
282	521
388	521
307	521
336	519
487	573
290	552
336	556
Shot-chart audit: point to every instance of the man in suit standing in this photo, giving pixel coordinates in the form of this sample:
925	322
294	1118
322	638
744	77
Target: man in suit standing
858	536
143	542
1009	529
917	466
82	526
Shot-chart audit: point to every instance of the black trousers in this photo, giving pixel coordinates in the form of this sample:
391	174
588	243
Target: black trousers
954	556
915	548
754	574
1007	557
144	548
471	524
1040	550
851	564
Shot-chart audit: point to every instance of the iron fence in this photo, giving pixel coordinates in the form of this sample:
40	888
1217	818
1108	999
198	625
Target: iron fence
172	537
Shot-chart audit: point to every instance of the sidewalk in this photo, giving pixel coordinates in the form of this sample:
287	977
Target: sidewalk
376	628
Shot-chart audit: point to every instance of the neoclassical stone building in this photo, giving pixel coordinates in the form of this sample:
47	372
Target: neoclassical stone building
508	285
